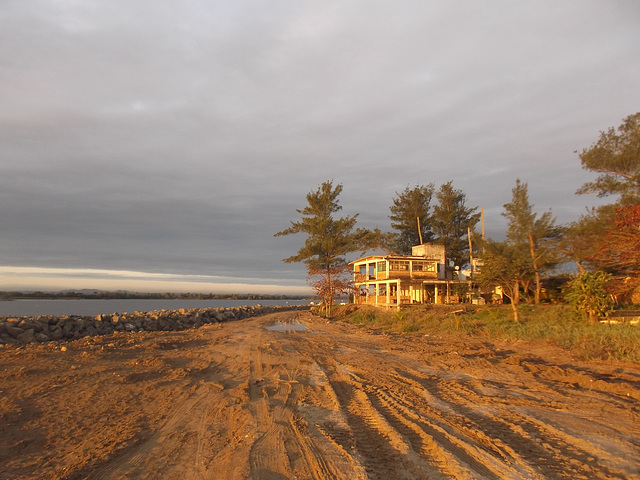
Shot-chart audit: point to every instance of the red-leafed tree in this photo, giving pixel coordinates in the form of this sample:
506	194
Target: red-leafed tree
620	254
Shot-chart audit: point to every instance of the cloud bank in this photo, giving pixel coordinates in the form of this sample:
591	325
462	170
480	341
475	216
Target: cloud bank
177	137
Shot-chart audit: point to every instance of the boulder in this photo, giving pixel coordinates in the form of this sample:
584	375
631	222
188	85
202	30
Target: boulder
15	332
41	337
26	337
55	333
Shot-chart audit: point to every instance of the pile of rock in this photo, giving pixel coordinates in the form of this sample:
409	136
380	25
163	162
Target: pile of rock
47	328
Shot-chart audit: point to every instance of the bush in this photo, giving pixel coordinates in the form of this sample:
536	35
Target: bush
588	294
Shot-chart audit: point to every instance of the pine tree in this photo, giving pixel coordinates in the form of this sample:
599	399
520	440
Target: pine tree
508	267
616	157
328	240
452	220
410	217
526	252
527	233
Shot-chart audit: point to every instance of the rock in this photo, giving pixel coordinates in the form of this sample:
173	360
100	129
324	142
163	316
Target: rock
8	340
55	333
67	330
229	315
90	331
41	337
26	337
47	328
15	332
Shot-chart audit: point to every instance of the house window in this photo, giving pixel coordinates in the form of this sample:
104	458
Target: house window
399	266
424	266
382	266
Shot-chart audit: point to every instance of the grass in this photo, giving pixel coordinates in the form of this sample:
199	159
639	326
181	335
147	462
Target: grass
553	323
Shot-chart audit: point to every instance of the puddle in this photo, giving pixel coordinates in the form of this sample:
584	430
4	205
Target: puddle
287	327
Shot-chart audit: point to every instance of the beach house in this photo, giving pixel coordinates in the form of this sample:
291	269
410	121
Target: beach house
395	280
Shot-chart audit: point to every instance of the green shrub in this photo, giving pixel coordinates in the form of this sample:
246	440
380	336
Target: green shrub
588	294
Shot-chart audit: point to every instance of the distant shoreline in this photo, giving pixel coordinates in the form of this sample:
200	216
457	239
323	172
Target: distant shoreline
122	295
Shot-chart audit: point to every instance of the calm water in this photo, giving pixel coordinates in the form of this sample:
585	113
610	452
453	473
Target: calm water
29	308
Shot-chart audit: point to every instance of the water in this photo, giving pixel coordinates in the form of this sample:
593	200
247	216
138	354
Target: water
287	327
31	308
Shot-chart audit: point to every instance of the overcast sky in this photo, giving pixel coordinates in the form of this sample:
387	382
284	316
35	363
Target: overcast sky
150	142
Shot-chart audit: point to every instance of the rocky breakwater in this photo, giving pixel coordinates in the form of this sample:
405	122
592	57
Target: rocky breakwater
46	328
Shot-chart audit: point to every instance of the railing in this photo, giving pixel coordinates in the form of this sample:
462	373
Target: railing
375	300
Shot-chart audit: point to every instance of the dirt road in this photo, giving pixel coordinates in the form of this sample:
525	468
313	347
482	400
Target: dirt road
290	395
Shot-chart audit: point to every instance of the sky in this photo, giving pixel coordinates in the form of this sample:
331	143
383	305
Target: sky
159	145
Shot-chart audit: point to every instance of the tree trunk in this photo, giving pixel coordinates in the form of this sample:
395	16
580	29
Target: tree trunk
516	314
328	301
515	300
532	246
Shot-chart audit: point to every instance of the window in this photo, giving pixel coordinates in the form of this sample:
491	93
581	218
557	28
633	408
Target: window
419	266
399	265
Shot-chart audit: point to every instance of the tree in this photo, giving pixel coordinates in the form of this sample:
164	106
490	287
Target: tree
620	252
526	252
544	238
527	234
581	241
588	294
410	217
452	221
616	157
328	240
504	264
519	214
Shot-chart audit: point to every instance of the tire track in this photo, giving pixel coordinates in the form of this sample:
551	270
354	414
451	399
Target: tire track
239	401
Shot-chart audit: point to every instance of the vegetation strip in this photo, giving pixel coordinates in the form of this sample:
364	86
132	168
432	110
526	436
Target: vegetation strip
557	324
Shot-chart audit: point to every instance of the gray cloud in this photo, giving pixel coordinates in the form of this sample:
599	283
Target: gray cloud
179	136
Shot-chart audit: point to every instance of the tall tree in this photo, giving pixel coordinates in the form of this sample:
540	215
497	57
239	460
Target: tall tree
507	266
525	253
519	215
616	157
452	220
527	233
620	252
544	239
410	217
328	240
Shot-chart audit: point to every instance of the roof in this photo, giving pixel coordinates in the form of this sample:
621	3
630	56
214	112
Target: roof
391	257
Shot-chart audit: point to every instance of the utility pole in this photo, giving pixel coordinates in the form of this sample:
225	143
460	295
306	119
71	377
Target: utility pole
482	216
470	250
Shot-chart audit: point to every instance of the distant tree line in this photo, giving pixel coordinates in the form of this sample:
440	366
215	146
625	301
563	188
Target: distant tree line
70	295
604	243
